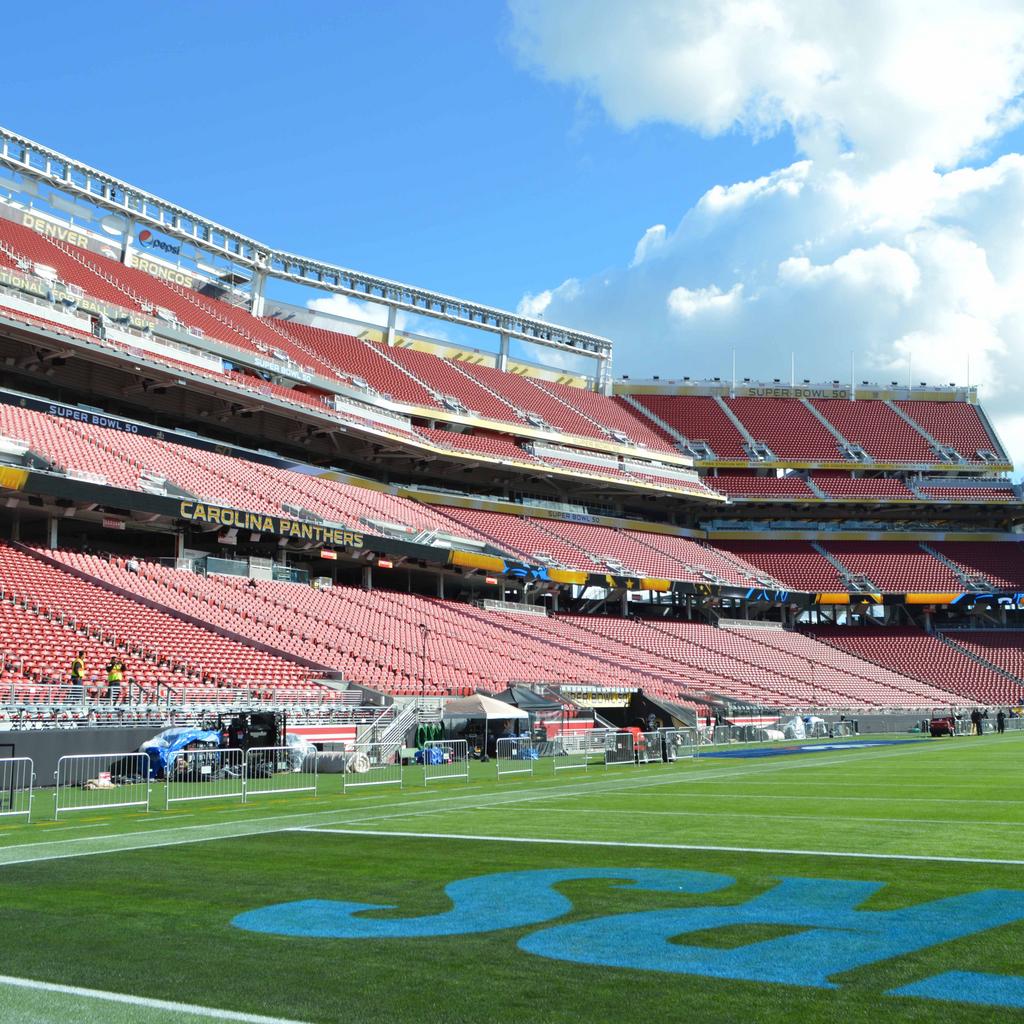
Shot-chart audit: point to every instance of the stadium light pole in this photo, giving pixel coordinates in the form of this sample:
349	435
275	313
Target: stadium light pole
424	633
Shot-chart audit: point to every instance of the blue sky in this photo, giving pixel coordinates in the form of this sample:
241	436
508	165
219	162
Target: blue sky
405	139
690	178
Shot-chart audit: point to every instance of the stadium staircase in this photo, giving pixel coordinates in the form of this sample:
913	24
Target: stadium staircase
750	444
517	413
681	442
845	447
854	582
79	256
967	653
758	576
814	488
974	582
914	425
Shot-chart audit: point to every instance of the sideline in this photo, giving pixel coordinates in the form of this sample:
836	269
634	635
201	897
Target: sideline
660	846
152	1004
175	835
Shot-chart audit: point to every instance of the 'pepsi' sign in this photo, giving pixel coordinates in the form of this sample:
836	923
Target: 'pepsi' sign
150	241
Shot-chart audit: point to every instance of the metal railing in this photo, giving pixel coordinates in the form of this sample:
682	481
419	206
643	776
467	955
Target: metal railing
205	775
372	764
514	755
270	770
17	775
618	749
87	782
445	760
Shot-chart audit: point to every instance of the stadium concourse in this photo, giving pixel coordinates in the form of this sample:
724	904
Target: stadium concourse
258	505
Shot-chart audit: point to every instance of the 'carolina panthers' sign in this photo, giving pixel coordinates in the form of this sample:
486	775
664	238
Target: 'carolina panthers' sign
830	934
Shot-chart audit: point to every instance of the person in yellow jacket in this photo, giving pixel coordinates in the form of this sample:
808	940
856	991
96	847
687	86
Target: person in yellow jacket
77	675
115	676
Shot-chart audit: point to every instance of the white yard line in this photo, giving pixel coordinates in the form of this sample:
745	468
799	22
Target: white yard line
152	1004
660	846
726	812
84	846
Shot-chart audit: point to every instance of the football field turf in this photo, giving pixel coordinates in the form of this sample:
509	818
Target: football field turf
882	883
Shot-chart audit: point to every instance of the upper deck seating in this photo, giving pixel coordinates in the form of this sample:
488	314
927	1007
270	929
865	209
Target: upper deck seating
956	424
794	562
788	427
838	485
880	431
749	485
895	567
697	418
1000	563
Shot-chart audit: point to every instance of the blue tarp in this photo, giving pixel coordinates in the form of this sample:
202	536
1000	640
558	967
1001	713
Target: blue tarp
164	744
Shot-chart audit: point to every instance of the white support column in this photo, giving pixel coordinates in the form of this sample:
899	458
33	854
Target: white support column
179	544
52	532
604	374
258	286
392	316
503	352
367	577
126	242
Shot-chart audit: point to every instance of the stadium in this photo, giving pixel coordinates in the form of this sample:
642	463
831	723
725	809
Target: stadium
465	640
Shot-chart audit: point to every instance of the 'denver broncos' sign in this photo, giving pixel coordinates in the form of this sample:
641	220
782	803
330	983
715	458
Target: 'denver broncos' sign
831	935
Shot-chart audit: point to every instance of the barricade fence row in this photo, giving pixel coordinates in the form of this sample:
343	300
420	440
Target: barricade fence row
205	775
279	770
17	774
444	760
372	764
90	781
578	749
618	749
515	755
681	744
648	749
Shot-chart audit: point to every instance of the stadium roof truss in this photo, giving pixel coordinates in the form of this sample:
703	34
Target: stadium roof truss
39	164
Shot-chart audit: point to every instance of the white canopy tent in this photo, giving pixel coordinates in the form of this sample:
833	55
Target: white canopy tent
487	708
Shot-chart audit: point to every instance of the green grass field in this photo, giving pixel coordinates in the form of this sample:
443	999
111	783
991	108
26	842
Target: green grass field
716	890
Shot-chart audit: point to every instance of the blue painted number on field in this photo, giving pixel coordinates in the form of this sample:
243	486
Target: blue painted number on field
829	936
486	904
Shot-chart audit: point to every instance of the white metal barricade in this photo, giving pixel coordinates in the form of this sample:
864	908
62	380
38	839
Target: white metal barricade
279	770
578	749
205	775
681	744
17	774
648	750
87	782
618	749
444	760
514	755
373	764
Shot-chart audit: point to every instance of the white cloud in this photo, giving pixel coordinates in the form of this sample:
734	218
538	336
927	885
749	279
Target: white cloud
924	78
880	268
537	305
654	238
687	303
351	309
877	243
360	314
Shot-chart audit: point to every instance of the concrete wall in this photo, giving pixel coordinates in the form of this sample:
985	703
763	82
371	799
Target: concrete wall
46	746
